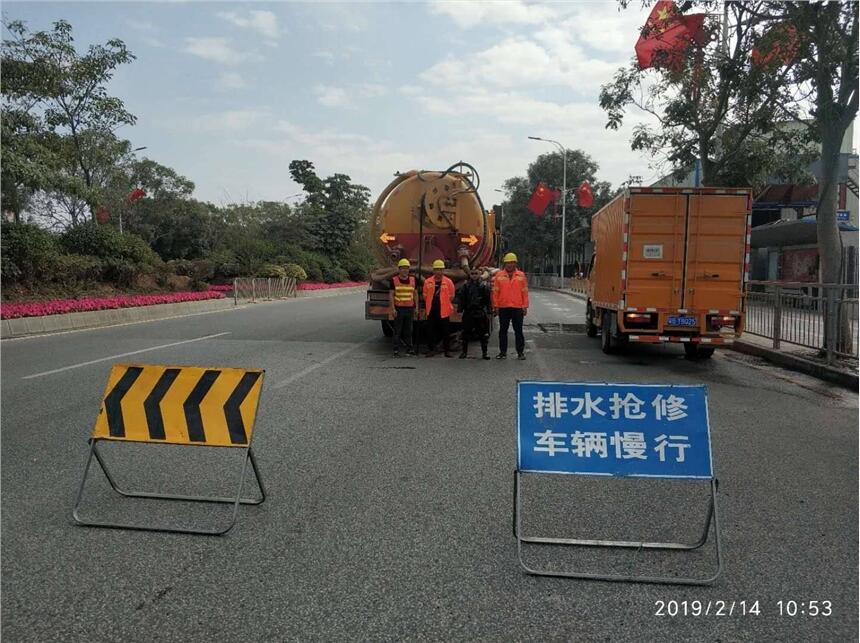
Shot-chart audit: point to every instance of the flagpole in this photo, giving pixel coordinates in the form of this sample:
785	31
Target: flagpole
563	201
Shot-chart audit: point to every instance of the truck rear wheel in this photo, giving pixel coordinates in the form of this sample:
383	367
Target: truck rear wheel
590	327
607	342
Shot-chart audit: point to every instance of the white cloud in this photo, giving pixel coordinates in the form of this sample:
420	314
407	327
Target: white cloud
472	14
228	121
332	96
518	61
263	22
230	80
347	97
219	50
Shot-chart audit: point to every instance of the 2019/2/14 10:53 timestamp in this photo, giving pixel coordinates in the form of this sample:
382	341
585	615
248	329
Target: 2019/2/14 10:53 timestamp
742	608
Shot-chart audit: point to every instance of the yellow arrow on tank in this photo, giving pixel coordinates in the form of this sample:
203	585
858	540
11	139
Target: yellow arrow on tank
386	238
471	240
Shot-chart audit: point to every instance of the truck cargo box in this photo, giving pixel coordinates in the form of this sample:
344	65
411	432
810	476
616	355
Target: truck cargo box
670	265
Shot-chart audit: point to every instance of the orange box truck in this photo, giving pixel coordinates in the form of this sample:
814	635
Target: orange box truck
669	265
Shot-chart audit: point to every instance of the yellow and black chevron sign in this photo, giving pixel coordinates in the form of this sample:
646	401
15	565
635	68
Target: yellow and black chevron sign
180	405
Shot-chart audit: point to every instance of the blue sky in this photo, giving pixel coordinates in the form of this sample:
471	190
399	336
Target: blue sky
229	93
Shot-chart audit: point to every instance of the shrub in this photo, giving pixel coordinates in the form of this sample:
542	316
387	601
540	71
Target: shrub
272	271
73	269
119	271
28	252
335	274
181	267
295	271
224	265
106	242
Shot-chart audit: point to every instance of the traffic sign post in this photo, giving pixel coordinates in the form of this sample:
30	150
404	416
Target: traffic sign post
179	405
617	430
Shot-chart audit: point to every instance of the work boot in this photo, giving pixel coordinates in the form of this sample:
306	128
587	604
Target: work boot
396	353
410	351
502	356
521	356
484	354
463	355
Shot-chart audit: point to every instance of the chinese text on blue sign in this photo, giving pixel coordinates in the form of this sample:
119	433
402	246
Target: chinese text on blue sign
614	429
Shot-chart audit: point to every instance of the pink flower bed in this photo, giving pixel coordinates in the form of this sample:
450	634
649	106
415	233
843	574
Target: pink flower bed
340	284
60	306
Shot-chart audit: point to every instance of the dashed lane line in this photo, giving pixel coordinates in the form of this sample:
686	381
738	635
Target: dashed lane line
112	357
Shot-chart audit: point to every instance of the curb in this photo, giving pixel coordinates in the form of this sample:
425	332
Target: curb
799	364
330	292
24	326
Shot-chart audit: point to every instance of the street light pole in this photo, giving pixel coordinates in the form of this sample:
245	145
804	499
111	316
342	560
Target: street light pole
563	200
501	223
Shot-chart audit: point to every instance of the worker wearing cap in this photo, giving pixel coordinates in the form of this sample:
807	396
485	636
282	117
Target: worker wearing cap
438	297
405	301
511	302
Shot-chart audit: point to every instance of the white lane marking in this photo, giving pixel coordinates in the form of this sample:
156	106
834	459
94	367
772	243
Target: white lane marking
542	367
310	369
107	359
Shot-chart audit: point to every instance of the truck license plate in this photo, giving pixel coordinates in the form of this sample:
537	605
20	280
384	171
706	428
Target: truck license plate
681	320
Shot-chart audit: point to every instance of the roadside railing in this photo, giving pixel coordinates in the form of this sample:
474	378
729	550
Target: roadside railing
819	316
264	289
576	284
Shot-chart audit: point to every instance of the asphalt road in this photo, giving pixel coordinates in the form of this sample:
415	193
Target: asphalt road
389	481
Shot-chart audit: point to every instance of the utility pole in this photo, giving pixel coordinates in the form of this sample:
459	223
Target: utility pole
563	200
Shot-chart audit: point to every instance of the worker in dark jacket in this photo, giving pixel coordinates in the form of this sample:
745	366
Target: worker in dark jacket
474	304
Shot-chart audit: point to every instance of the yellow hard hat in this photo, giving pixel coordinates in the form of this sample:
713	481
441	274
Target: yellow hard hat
403	263
438	264
509	257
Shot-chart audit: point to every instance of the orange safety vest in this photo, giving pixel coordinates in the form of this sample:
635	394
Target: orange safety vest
404	293
446	295
510	291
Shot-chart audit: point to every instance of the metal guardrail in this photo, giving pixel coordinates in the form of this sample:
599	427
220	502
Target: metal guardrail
576	284
819	316
264	289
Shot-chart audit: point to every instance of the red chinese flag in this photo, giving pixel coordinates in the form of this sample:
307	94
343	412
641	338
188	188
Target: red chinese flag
584	195
102	215
540	199
667	34
136	194
777	48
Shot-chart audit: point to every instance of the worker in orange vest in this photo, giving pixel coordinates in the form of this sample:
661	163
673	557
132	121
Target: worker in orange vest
438	298
511	303
405	301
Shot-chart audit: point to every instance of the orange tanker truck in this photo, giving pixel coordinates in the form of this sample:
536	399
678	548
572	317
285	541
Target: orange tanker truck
424	216
670	265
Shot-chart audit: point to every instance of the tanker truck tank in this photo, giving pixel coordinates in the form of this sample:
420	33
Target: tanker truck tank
424	216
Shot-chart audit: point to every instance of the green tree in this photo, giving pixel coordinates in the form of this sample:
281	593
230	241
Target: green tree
334	209
64	92
827	64
713	108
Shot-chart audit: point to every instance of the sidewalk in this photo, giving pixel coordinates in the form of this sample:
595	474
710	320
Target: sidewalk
843	371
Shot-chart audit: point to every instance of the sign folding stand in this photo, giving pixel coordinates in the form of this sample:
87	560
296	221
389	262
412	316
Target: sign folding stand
559	432
217	408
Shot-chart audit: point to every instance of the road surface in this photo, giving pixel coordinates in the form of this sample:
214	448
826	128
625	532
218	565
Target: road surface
389	481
